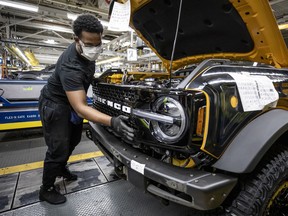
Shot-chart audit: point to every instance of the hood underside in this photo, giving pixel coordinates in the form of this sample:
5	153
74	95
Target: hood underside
235	29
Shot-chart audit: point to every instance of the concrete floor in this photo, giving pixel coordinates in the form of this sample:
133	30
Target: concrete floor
27	146
21	189
96	192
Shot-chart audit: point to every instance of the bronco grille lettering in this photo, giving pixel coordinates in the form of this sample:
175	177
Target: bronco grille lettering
112	104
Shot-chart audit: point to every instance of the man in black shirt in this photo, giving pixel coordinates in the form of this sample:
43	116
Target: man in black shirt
63	105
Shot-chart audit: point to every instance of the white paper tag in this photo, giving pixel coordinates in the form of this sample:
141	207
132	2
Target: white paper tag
120	17
138	167
256	92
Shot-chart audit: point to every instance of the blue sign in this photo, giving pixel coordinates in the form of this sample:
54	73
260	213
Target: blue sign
19	116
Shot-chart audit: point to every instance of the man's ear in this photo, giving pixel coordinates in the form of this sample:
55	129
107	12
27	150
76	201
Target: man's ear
76	38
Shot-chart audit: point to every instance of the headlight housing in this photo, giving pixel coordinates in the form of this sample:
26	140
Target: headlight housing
167	132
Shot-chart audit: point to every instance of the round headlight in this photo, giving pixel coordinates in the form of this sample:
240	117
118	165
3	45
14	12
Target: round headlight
168	132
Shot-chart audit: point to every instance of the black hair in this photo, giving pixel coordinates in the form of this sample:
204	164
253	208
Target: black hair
88	23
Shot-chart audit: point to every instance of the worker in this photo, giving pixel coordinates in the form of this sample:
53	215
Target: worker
63	105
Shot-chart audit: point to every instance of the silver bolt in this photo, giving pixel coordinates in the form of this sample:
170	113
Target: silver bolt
196	181
224	194
135	156
124	149
212	199
191	175
213	174
147	158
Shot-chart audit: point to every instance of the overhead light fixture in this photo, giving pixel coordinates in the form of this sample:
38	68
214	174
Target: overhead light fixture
19	5
49	41
283	26
72	16
56	28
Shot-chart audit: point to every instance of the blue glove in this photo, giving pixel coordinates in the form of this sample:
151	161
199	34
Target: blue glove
75	119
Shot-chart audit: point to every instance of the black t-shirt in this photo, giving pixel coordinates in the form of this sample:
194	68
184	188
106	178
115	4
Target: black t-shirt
72	73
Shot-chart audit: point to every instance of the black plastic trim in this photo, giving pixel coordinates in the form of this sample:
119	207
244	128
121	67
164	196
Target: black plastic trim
251	144
208	190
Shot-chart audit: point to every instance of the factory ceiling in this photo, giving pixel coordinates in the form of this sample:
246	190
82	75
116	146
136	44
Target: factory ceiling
47	32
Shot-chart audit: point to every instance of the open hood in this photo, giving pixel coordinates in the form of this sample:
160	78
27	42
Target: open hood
235	29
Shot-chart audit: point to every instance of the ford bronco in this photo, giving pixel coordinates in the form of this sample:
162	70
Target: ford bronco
212	135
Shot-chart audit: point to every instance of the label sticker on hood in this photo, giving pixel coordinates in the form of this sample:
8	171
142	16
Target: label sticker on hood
256	92
138	167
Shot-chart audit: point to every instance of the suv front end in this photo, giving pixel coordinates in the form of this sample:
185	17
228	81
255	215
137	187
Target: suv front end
185	122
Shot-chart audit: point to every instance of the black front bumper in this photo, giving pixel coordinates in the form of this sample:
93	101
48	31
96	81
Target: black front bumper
207	190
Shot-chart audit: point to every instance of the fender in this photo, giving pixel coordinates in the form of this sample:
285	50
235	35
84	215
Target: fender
250	145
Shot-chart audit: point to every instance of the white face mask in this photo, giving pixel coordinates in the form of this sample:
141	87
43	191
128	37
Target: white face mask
90	53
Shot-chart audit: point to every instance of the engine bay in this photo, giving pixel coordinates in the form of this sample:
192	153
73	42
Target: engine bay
146	79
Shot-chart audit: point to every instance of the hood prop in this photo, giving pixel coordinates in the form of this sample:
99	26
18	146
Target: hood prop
174	43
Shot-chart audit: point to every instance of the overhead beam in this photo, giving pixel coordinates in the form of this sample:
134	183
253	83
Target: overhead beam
30	35
28	23
54	27
18	22
47	14
32	43
122	37
61	36
41	37
83	7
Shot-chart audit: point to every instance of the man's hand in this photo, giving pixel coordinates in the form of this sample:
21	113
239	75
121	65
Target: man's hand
119	126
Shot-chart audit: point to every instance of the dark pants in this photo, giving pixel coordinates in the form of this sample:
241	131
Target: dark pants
61	137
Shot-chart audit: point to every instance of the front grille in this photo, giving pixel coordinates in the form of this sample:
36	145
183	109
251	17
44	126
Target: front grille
123	95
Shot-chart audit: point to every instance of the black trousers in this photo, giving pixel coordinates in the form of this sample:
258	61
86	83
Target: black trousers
61	137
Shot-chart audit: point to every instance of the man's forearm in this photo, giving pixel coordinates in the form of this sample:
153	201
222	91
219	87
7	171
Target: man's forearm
94	115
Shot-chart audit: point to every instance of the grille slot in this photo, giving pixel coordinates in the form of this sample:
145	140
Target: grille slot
118	94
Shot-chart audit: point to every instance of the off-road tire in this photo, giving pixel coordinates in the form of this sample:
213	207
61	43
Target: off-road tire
256	190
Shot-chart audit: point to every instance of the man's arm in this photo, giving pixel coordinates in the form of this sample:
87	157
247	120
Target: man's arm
78	101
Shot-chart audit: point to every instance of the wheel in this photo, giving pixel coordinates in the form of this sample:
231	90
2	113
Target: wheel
265	191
